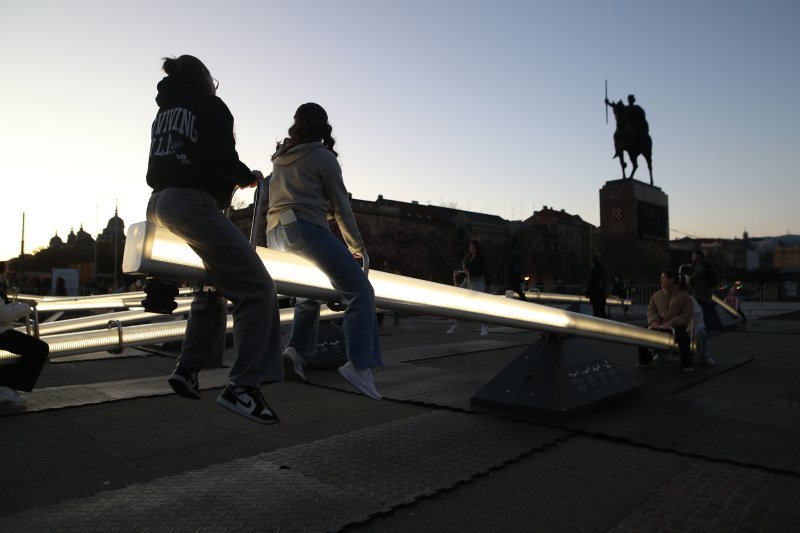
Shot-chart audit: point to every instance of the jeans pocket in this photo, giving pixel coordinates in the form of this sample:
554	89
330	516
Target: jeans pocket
292	236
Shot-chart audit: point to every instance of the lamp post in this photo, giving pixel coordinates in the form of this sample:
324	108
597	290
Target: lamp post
21	266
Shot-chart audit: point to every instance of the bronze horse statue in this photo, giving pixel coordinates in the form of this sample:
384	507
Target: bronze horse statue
632	136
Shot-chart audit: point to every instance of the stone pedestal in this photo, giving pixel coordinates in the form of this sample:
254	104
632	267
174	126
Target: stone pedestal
634	230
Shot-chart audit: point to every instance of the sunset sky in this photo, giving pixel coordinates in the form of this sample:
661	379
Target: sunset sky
490	106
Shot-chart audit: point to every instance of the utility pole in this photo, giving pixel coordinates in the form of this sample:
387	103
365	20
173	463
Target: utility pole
116	239
96	238
22	255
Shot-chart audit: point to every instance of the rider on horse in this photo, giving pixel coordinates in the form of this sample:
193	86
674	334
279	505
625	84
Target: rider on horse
631	123
632	133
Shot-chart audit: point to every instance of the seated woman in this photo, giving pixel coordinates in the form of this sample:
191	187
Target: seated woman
671	309
307	190
22	373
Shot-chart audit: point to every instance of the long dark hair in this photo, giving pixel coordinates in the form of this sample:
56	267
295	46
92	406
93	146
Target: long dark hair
477	246
310	125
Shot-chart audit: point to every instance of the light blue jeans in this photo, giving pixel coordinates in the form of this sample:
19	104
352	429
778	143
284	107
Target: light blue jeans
701	343
238	274
331	256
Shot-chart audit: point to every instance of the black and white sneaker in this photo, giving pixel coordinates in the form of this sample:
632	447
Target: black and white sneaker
248	402
184	382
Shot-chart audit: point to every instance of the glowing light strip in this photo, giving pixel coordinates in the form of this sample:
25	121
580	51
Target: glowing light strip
297	277
727	307
72	305
130	299
96	321
571	298
111	339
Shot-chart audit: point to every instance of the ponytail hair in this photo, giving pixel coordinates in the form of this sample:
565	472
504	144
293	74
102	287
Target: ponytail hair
310	125
188	68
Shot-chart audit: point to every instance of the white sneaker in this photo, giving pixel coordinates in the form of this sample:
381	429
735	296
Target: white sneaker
293	365
455	326
484	330
7	394
361	380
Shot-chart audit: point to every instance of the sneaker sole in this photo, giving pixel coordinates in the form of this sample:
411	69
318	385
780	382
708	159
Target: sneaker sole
357	386
17	402
183	388
233	408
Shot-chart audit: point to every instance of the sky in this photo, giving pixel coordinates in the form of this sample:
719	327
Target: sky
494	106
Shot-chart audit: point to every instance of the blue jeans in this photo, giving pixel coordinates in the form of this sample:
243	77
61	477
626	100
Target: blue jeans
238	273
331	256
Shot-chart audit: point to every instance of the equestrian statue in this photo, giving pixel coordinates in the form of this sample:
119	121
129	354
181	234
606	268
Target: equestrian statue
632	135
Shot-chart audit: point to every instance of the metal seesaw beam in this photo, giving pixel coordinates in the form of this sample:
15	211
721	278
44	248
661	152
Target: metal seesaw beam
117	337
555	297
153	250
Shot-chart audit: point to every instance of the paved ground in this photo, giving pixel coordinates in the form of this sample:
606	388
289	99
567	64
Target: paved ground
104	446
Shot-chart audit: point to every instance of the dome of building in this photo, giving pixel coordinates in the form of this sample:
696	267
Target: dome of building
115	223
56	241
115	227
82	237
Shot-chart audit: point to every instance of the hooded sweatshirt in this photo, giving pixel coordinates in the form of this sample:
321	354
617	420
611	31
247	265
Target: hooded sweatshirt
192	143
308	180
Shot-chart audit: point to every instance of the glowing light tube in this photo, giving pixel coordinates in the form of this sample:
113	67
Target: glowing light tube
570	298
153	250
725	306
97	321
113	338
88	303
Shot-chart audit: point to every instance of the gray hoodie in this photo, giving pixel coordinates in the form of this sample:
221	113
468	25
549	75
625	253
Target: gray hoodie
308	179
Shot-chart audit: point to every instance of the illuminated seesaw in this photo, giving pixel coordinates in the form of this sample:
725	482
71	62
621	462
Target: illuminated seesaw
154	251
134	315
727	307
553	369
554	297
115	337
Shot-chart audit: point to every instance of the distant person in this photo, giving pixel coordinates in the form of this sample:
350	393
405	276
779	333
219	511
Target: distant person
702	282
395	313
21	375
307	190
61	287
700	335
618	289
472	275
194	170
3	287
596	288
514	277
670	309
734	300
